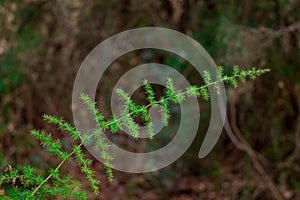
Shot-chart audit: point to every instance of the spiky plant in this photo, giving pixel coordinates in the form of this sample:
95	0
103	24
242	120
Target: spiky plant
28	183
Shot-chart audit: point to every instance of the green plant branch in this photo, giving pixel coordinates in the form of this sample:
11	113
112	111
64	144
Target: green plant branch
50	175
172	95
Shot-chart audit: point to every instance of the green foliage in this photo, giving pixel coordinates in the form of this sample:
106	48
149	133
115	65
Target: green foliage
25	181
192	90
63	125
150	93
54	147
170	90
35	186
128	103
204	93
93	110
114	125
85	164
128	122
100	144
164	111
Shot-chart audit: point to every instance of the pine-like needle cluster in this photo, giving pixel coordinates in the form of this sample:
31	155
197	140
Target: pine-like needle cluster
28	183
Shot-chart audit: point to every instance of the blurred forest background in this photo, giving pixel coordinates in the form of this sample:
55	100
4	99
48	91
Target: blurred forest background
42	44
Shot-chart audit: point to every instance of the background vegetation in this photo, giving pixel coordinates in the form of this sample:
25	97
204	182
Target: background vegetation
42	44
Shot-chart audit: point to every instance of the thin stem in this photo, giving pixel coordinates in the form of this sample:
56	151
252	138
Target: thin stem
50	175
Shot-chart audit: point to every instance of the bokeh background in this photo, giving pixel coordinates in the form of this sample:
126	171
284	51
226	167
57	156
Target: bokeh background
42	44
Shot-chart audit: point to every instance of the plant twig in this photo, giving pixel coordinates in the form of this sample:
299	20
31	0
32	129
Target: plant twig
231	79
238	140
